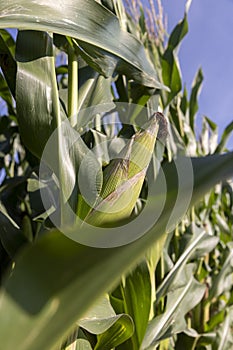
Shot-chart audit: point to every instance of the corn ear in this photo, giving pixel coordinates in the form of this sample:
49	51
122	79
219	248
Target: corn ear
123	177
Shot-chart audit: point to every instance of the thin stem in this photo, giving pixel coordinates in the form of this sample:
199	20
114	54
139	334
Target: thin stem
72	86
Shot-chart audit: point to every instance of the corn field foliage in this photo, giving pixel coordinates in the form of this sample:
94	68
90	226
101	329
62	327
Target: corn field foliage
116	214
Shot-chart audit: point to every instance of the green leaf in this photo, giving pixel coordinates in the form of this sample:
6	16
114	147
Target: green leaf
184	102
100	317
195	340
35	187
6	95
203	167
94	96
117	334
215	320
82	344
169	62
171	75
10	192
222	223
11	236
178	33
224	338
224	279
179	302
94	90
226	134
7	60
36	89
209	136
111	329
206	245
37	97
212	125
62	279
88	22
135	297
193	103
100	60
196	243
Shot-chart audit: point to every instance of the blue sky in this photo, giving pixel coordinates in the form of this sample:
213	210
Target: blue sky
209	44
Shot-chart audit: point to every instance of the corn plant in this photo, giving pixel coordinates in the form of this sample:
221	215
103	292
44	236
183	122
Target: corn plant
113	235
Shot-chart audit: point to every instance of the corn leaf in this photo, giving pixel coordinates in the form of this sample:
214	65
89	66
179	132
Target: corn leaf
82	344
170	65
224	339
38	106
193	103
174	272
111	329
90	23
224	138
179	302
7	59
135	298
55	269
117	334
37	97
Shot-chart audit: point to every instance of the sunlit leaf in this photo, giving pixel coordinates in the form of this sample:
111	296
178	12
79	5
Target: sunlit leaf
88	22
